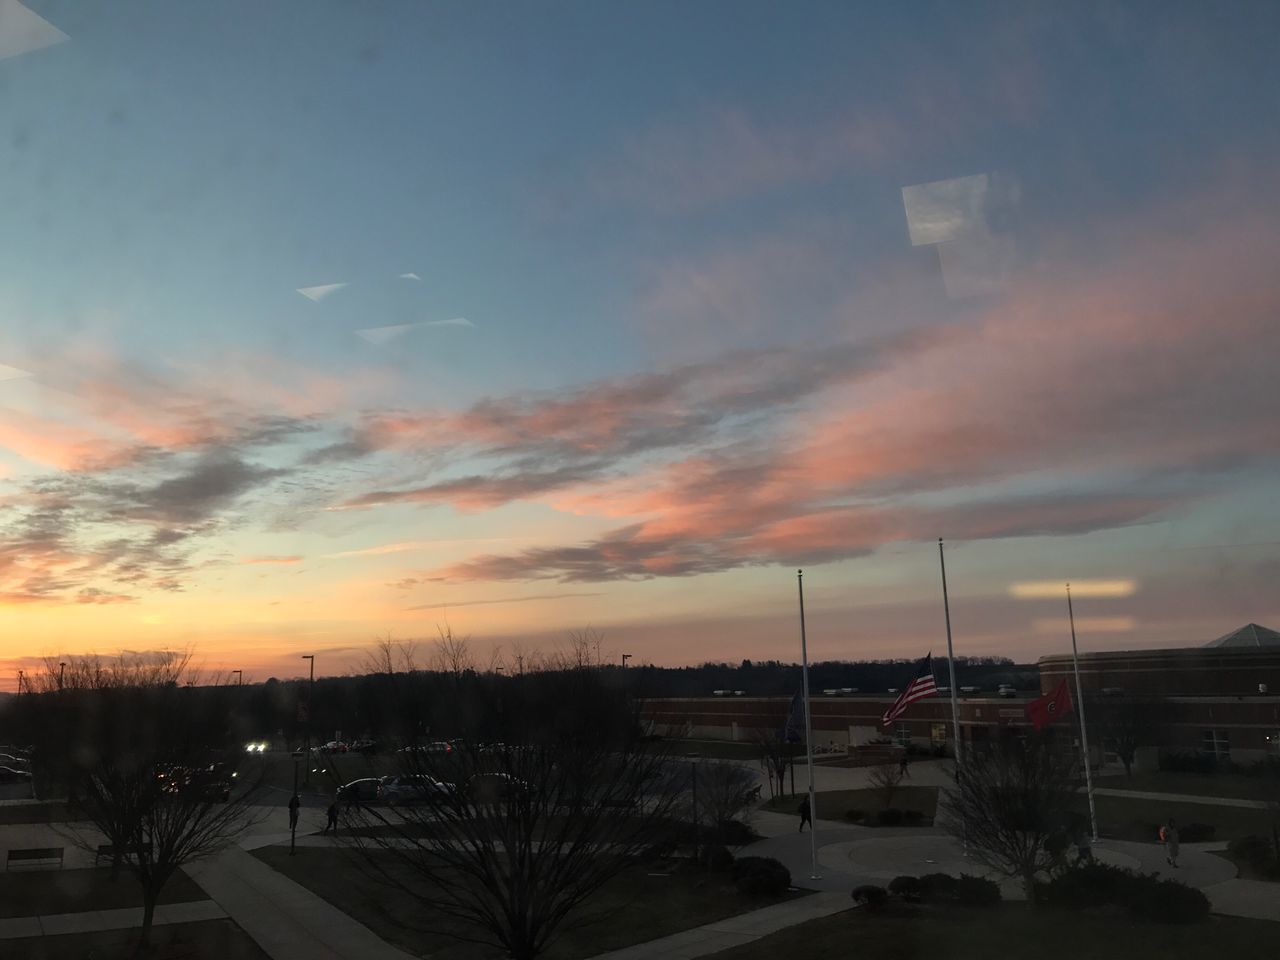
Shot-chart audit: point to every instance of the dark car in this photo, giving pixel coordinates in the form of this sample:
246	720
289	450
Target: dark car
364	790
495	787
17	763
10	775
367	747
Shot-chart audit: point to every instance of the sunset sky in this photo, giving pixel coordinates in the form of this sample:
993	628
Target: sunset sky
321	321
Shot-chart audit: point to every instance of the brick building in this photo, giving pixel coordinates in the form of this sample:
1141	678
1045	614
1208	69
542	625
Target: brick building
1222	698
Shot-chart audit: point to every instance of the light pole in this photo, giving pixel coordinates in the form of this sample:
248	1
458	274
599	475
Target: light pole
19	683
239	676
62	673
625	658
311	687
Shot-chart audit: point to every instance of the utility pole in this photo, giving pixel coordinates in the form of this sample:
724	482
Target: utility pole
625	658
239	676
62	673
311	688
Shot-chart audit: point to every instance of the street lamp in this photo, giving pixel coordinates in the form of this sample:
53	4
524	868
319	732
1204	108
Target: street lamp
62	672
239	676
625	658
19	683
311	687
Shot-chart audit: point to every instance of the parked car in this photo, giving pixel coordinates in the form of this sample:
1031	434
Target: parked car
333	746
17	763
10	775
438	746
494	787
1006	691
411	788
364	790
366	747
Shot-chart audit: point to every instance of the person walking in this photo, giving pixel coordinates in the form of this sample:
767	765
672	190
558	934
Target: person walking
333	819
294	804
806	814
903	763
1171	842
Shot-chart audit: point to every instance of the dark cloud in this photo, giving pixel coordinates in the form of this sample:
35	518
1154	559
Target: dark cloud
497	600
647	550
544	442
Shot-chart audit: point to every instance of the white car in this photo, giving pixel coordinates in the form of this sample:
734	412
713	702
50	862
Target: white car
411	788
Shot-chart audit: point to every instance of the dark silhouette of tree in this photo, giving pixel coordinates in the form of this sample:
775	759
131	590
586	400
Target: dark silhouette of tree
1009	801
148	759
552	793
1126	724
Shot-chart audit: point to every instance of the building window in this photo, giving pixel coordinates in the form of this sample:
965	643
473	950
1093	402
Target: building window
938	733
902	733
1216	743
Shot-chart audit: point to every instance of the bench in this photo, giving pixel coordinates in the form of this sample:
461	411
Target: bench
107	851
35	857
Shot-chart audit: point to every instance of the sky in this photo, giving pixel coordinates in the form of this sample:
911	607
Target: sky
322	322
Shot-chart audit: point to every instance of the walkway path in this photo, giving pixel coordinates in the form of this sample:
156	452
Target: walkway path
734	931
1180	798
851	855
92	921
287	920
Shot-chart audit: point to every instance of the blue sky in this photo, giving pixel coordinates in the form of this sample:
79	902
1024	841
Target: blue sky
699	348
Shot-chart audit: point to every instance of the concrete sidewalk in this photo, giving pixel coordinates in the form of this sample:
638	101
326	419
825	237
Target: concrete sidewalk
287	920
91	921
734	931
1180	798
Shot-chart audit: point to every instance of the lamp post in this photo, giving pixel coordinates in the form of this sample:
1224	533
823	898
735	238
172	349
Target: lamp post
239	676
311	687
19	683
62	673
625	658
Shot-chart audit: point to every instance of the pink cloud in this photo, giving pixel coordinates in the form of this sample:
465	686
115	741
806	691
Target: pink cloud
270	560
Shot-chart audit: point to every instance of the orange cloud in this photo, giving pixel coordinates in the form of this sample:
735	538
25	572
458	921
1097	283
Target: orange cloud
290	559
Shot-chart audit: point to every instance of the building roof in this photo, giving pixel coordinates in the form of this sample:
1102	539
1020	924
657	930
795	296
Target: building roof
1250	635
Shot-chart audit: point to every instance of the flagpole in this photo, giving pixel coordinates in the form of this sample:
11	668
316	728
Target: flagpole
951	656
808	738
1084	737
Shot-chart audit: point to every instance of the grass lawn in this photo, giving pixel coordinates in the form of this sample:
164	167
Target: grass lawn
1015	930
55	812
206	940
832	804
633	908
1136	819
1195	784
26	893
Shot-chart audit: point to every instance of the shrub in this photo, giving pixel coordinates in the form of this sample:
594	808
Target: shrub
977	891
870	896
1091	885
1253	849
761	877
938	886
1196	832
1193	763
855	815
716	857
908	888
1098	884
912	817
890	817
1168	901
734	833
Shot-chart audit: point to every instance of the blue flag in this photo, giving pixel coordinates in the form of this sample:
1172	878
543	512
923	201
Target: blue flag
793	732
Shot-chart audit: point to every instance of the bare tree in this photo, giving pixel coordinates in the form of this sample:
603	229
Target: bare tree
453	654
502	844
725	792
1125	725
148	759
1009	801
775	754
886	779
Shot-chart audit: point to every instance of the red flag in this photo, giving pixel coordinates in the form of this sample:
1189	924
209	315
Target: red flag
1044	710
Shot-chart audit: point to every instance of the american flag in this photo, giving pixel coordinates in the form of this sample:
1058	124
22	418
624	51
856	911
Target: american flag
922	685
